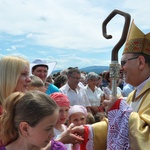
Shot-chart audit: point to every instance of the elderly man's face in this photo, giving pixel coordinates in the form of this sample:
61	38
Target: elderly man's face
41	72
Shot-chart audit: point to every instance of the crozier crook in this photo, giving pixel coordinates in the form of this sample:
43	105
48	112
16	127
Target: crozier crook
114	66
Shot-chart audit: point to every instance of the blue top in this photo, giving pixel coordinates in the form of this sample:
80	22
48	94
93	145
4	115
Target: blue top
127	89
51	89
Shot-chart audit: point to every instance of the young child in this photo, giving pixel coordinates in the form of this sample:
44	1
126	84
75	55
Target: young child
77	115
27	122
36	84
64	105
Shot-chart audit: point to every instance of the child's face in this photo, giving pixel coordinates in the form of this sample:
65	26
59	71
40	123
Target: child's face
78	119
63	115
42	133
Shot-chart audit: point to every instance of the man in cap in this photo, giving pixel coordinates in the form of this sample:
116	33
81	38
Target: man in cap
42	69
129	121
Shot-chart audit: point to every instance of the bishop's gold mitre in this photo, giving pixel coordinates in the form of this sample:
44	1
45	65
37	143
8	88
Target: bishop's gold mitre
137	41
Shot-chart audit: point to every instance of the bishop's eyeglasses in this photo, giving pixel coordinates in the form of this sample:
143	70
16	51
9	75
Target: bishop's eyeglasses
123	62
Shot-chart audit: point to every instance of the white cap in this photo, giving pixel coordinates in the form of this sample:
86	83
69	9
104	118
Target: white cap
51	65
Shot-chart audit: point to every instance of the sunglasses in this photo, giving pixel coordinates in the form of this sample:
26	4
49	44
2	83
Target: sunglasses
123	62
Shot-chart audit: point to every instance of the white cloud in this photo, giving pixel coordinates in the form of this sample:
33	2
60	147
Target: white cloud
30	35
67	24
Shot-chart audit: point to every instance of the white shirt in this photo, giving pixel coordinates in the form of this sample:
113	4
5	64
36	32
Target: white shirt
94	97
136	104
108	92
139	88
77	97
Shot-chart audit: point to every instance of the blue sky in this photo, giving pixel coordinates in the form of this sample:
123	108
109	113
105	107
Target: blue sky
66	31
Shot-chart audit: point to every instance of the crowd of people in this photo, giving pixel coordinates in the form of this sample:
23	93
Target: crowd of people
75	110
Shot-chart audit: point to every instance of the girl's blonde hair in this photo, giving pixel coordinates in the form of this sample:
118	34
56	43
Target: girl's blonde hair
10	70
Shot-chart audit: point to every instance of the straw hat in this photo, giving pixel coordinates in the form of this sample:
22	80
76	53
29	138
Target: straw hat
137	41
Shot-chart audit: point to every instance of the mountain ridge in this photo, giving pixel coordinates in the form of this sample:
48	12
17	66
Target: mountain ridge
96	69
